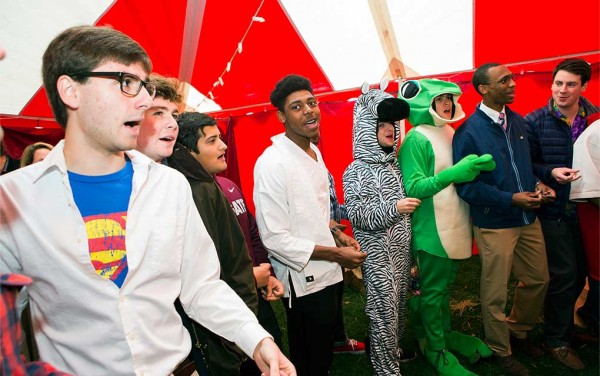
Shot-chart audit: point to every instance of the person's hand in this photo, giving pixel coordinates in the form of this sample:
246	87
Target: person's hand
407	205
349	257
564	175
527	200
273	291
340	226
262	274
548	194
271	361
343	240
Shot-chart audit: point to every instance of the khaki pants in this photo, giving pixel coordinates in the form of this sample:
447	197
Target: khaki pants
522	251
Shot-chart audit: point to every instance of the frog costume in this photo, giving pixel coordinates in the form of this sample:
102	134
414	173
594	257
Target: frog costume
441	224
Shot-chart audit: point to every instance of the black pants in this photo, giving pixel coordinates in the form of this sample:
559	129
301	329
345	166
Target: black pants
567	267
311	324
340	330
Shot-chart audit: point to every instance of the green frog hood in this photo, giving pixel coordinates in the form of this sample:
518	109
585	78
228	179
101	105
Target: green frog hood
419	94
371	107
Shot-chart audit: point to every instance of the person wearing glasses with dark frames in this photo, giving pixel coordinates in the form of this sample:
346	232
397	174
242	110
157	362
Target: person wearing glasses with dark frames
502	205
110	237
131	85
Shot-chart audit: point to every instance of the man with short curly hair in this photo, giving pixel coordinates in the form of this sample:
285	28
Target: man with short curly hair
291	196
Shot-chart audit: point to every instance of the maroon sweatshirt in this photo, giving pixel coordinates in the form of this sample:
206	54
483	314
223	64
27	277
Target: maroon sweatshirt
234	195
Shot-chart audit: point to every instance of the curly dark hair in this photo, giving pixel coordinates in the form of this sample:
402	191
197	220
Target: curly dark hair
480	76
578	67
191	128
286	86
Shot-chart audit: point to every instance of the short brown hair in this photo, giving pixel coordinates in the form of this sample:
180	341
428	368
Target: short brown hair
166	88
82	49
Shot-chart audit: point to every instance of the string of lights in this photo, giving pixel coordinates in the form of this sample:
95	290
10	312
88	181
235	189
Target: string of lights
238	50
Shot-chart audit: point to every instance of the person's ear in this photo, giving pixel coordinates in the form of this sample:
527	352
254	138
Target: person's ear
68	91
483	89
281	116
584	86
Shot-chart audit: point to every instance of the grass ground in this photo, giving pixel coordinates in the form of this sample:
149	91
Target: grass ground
466	318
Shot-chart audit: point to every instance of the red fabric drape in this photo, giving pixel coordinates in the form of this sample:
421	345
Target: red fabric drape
17	139
233	172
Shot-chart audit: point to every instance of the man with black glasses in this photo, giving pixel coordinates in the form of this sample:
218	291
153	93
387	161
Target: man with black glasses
109	237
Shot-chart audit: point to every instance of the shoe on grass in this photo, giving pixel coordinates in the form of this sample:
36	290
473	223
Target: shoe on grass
351	346
512	366
567	356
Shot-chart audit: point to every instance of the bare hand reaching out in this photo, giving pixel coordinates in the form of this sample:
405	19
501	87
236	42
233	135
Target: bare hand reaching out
564	175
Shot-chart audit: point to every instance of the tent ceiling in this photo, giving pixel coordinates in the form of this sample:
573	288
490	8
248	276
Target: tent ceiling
337	44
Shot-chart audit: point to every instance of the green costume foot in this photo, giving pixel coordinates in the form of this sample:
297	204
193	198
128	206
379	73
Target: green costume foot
468	346
446	364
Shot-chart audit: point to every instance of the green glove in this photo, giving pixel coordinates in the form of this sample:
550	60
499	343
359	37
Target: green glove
462	172
485	163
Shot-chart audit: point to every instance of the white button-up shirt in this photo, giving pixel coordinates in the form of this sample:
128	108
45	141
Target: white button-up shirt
87	325
291	196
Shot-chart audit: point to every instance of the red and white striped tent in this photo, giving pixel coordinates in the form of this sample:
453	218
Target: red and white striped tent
233	52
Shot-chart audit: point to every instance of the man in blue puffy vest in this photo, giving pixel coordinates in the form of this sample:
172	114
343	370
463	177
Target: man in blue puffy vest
551	131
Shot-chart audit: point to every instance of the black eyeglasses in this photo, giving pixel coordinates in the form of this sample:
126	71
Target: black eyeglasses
131	85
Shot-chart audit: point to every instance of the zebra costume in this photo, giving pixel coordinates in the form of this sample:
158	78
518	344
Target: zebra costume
372	185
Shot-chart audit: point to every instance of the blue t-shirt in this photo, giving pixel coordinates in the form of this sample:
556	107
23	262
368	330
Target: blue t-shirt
103	202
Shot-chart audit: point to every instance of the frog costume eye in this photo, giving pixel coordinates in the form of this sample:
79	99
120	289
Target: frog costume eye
410	89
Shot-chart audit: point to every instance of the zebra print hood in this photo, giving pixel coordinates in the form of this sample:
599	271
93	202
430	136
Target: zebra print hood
371	106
